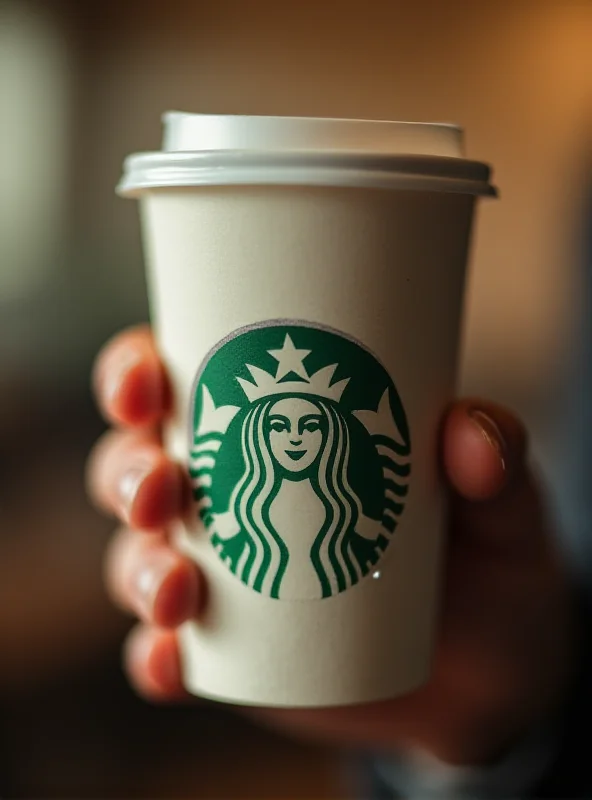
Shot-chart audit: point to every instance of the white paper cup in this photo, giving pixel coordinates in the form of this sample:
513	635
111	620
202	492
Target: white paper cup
306	282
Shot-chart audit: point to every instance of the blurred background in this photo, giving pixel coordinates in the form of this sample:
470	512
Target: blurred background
82	84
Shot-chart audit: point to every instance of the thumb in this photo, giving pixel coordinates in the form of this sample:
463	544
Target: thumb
496	502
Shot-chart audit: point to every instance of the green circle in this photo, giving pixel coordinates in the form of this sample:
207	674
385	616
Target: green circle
283	403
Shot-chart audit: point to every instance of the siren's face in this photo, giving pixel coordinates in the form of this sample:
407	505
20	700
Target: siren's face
295	430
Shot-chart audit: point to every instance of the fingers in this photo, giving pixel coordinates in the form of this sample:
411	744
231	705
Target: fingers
144	575
129	475
129	380
153	665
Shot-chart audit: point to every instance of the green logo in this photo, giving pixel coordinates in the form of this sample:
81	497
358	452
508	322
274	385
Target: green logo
300	458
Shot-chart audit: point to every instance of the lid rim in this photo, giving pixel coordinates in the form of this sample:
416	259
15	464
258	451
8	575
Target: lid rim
411	163
162	176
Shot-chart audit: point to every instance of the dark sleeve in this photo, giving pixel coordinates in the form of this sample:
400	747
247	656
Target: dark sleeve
570	774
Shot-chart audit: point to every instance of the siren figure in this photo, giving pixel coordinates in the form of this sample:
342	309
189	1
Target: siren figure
294	527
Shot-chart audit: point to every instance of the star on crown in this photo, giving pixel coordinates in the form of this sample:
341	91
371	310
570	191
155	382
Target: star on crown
291	361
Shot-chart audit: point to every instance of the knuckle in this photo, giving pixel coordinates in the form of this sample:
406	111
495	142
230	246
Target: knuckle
94	467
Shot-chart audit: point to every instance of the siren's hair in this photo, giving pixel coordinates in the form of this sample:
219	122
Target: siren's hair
264	560
331	552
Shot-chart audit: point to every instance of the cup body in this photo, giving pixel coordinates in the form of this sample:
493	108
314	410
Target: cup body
311	334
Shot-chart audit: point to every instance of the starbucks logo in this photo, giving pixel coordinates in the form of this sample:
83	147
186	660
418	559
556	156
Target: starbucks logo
300	458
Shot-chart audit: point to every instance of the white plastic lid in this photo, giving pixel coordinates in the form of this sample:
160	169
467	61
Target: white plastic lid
203	149
186	132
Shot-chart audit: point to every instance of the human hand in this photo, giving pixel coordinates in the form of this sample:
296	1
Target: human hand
505	644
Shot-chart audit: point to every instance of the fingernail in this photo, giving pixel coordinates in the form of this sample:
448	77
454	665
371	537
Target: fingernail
129	484
148	581
126	359
490	432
